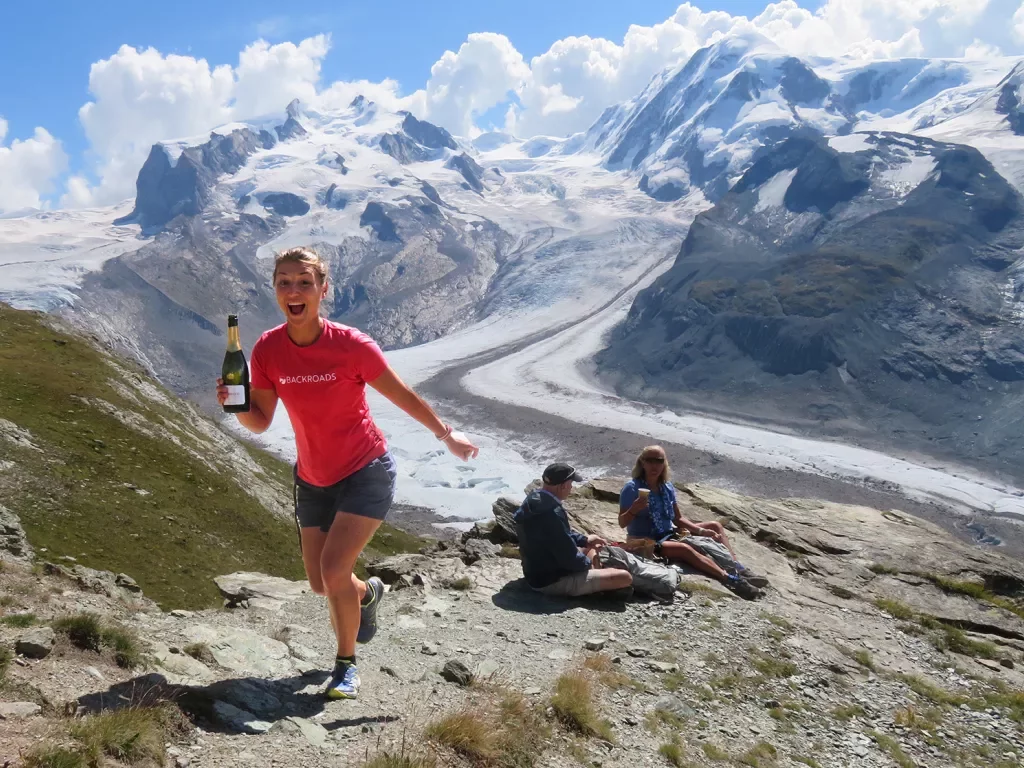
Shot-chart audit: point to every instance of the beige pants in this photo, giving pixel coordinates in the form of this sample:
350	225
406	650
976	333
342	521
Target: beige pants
574	585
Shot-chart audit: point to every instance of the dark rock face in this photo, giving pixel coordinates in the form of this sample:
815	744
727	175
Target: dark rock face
470	170
403	149
427	134
290	129
267	139
827	299
800	85
377	218
1010	102
164	191
285	204
333	198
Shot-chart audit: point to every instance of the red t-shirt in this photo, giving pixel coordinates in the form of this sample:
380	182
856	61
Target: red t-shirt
323	386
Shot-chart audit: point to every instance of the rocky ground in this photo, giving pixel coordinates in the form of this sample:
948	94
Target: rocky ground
882	641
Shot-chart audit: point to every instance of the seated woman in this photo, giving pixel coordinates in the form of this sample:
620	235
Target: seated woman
648	510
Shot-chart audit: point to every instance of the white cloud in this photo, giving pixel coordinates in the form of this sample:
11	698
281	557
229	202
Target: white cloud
481	75
29	168
1018	24
141	97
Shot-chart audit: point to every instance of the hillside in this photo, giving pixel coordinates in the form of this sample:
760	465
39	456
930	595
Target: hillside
108	469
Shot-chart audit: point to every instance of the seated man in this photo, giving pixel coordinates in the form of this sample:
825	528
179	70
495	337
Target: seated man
556	559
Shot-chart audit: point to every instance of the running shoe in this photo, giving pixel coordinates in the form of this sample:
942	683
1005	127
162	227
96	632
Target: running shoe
368	610
344	682
752	578
742	587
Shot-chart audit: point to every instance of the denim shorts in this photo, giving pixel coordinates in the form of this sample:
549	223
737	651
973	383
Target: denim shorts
367	492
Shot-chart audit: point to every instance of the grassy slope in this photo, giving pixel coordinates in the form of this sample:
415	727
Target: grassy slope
77	495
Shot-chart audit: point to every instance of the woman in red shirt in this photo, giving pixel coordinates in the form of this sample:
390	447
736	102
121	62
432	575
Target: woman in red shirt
345	474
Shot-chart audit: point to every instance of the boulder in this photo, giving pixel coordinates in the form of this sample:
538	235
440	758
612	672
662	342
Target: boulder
241	650
238	720
36	643
259	590
285	204
15	710
390	570
504	530
455	671
478	549
12	536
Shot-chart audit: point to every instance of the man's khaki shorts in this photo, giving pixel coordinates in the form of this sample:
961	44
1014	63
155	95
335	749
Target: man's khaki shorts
574	585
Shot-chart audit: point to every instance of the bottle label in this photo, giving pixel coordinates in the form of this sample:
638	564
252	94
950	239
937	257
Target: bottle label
236	395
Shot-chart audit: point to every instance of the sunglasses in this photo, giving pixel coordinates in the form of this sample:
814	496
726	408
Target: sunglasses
654	459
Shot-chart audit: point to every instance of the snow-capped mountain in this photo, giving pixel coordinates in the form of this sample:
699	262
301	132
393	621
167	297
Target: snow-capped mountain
698	127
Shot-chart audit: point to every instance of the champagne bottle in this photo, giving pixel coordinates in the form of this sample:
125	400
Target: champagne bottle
235	371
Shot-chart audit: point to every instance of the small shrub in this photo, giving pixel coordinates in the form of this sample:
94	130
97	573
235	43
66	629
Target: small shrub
200	652
759	755
462	583
467	732
848	711
863	657
608	675
770	666
673	681
6	601
778	621
809	761
778	713
890	745
21	620
895	608
714	752
673	752
132	735
957	641
573	704
84	630
51	756
125	646
933	693
510	551
402	760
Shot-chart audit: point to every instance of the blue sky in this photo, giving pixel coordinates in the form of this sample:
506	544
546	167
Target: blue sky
48	47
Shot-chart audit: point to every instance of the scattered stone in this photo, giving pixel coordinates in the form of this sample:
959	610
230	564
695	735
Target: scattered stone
478	549
486	669
180	613
124	581
663	666
772	704
675	706
534	691
12	535
300	651
455	671
630	720
560	654
257	590
93	672
429	649
389	671
314	733
595	644
1008	663
639	653
36	643
17	709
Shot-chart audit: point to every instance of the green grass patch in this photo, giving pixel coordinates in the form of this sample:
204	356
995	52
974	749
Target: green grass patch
808	761
673	752
956	641
133	736
975	590
892	747
895	608
462	584
20	620
510	551
932	693
882	569
90	633
700	588
6	659
200	652
771	666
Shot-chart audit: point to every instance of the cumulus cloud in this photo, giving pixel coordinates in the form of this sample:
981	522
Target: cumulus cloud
29	168
1018	24
141	97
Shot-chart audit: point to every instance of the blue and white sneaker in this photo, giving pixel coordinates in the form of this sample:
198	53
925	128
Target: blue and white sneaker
368	611
344	682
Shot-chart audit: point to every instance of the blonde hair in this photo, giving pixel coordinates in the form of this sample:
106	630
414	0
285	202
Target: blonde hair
638	468
302	255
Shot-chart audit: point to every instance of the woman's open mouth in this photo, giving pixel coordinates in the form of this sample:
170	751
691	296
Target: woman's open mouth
296	309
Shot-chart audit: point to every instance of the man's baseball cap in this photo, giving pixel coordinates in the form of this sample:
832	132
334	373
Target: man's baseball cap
558	473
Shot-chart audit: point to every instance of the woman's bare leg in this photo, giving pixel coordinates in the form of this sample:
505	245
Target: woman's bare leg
345	541
684	553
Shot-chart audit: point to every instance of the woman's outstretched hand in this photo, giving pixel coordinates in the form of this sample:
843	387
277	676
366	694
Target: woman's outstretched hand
461	446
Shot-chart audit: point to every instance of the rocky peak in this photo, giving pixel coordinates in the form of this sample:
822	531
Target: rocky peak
427	134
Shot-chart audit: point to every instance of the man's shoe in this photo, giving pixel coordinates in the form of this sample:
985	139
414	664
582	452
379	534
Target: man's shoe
344	682
368	610
754	579
742	587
